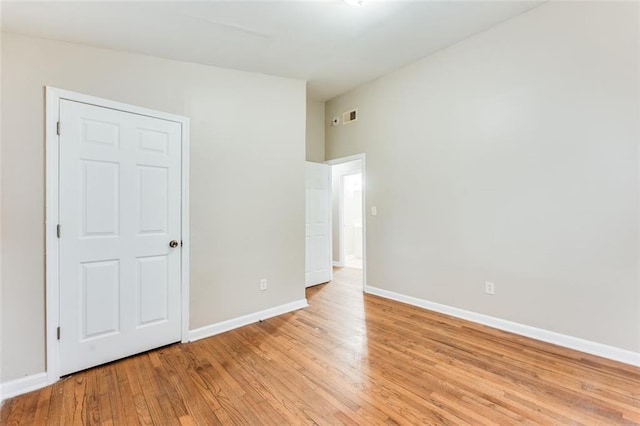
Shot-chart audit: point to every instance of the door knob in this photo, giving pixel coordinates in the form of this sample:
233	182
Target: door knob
173	244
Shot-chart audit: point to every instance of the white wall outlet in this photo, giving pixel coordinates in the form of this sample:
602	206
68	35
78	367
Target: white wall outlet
489	288
263	284
374	211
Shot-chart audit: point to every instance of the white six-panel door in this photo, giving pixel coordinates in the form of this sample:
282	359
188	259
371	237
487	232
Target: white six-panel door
318	268
119	208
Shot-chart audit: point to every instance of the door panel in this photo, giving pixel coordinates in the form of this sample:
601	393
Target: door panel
152	291
100	282
318	268
99	198
153	195
120	183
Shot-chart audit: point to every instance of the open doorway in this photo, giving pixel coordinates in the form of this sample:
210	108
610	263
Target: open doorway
351	212
348	219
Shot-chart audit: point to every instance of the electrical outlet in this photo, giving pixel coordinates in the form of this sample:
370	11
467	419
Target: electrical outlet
489	288
263	284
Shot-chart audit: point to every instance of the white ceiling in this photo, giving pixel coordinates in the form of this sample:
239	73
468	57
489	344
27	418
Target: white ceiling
332	45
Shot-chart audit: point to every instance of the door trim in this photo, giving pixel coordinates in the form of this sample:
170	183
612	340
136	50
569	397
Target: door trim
364	205
52	254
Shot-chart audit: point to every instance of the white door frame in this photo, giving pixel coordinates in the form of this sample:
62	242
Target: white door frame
364	212
52	249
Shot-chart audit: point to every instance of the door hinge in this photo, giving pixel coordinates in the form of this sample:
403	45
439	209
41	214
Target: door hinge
58	333
58	230
181	243
58	128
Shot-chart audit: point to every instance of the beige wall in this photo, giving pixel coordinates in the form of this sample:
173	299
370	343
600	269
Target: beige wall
315	131
511	157
1	205
247	179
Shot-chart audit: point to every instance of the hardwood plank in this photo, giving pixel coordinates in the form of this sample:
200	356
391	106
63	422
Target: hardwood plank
74	407
42	409
348	359
5	410
123	409
91	411
150	389
22	410
138	399
55	406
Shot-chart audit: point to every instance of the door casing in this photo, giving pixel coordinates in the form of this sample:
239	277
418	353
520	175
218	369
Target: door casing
52	251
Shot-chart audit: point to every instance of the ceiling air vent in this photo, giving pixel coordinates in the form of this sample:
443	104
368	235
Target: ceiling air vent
350	116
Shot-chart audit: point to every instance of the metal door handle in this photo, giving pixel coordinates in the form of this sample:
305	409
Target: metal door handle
173	244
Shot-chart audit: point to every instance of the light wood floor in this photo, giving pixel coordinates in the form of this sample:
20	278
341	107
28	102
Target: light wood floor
347	359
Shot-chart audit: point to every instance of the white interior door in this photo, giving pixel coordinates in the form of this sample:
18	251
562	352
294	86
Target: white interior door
318	268
119	208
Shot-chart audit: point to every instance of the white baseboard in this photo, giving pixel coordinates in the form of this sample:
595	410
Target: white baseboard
338	264
22	385
221	327
587	346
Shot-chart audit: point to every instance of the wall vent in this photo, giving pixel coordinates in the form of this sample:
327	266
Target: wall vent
350	116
